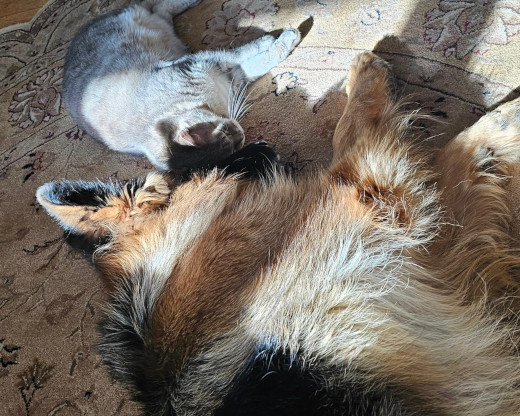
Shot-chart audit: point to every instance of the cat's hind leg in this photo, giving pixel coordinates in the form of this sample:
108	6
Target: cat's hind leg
258	57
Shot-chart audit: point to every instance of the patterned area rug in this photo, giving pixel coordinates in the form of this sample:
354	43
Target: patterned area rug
452	59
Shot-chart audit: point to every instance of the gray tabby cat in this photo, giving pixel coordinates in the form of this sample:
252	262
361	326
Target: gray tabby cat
130	83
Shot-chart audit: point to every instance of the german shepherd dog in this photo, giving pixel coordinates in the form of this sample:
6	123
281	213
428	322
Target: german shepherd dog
384	285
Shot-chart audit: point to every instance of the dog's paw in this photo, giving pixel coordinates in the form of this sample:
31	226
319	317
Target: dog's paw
367	61
370	71
508	116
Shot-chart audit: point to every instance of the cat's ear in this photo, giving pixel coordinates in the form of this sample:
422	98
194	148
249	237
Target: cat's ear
200	134
197	135
173	135
95	210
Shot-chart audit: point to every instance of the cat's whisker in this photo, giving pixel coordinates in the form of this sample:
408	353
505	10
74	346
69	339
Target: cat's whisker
230	97
237	100
240	97
244	111
240	102
232	101
249	94
229	104
246	106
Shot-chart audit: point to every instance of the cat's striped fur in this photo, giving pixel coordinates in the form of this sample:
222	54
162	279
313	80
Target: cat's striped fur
384	285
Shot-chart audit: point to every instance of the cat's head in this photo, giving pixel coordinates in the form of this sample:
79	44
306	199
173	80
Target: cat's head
199	138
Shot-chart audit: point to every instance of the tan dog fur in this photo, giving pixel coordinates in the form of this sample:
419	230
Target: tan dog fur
388	262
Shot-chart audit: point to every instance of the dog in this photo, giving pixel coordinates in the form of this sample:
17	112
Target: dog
383	285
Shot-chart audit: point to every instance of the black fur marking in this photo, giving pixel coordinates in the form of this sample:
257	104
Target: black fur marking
92	194
124	332
256	160
252	161
79	193
85	245
198	157
185	65
274	383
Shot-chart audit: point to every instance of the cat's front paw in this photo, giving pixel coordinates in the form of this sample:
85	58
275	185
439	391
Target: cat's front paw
289	39
262	61
265	43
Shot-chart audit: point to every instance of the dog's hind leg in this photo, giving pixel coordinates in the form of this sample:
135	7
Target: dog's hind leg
475	170
370	103
373	154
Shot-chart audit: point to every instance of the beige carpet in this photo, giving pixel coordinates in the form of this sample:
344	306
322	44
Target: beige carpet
453	59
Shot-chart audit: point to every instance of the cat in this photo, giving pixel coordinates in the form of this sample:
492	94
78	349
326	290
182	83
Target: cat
382	285
130	83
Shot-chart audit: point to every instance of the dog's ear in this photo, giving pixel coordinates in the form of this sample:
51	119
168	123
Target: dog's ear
94	210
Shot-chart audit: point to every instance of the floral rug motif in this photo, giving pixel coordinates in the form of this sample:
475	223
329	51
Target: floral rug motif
460	28
453	60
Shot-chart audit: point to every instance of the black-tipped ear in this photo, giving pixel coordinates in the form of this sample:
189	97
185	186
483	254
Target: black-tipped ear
74	203
95	209
72	193
254	161
193	157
